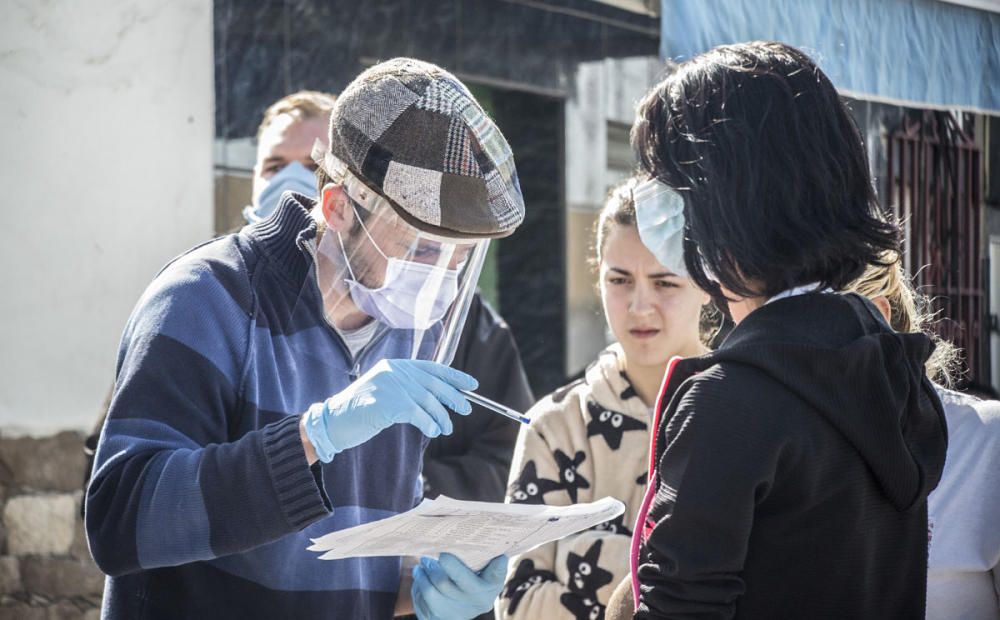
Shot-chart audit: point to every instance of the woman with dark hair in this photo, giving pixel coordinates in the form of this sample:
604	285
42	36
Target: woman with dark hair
790	468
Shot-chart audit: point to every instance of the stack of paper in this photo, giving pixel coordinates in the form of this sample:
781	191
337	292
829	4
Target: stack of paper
476	532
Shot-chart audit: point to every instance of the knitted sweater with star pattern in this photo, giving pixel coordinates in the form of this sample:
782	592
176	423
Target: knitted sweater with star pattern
587	440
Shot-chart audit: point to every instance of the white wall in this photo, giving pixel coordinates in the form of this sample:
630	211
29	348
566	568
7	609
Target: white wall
106	121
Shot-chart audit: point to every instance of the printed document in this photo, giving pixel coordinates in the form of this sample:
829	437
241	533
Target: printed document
476	532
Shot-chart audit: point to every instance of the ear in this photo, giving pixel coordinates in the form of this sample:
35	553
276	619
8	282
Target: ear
335	207
883	306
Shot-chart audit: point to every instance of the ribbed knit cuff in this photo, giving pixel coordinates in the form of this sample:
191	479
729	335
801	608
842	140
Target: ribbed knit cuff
300	493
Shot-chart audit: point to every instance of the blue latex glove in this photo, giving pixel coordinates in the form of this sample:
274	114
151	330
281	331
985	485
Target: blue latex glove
393	392
447	589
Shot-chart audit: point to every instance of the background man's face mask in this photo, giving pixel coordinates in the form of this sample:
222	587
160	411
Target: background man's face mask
292	178
413	295
659	215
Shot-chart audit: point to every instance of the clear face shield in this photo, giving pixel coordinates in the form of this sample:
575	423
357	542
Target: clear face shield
385	285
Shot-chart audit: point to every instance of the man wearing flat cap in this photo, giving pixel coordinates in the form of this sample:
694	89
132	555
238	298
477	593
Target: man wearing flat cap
282	382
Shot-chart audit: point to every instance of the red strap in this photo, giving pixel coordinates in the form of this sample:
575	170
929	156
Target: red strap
642	527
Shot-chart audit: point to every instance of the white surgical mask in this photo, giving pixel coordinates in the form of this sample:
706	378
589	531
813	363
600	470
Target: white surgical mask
659	215
398	303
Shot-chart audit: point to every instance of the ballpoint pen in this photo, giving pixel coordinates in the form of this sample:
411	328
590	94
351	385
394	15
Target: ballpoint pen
494	406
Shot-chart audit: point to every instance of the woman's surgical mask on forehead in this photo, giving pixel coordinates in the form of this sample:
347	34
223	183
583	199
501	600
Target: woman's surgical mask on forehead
659	215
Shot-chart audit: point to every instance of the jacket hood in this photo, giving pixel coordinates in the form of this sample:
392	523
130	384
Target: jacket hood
838	355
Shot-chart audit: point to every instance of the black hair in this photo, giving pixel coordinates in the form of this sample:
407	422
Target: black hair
772	168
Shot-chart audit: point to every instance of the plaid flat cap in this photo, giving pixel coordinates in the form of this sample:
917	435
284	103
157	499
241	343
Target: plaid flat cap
414	133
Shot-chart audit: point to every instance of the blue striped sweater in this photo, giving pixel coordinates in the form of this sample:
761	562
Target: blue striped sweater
202	503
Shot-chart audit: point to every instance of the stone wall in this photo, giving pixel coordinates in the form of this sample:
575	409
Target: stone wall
46	572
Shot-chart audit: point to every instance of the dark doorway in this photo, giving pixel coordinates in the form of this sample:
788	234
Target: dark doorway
531	270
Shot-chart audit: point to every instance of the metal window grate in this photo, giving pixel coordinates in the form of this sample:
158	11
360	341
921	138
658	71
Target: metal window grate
933	185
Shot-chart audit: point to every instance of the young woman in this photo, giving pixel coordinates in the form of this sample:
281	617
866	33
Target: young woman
791	467
963	576
590	439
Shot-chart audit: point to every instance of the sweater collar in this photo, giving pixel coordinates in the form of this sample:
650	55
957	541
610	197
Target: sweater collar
283	236
610	386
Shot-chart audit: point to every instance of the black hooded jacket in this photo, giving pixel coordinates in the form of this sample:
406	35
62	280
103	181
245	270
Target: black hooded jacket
792	470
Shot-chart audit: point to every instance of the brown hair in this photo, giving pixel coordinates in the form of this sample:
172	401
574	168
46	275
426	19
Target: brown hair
619	208
910	313
304	104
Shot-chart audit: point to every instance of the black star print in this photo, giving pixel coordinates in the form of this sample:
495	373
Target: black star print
582	607
570	478
524	578
643	479
586	577
610	424
615	526
529	488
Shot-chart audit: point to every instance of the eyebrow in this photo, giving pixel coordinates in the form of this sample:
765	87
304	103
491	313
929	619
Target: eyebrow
663	274
272	158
